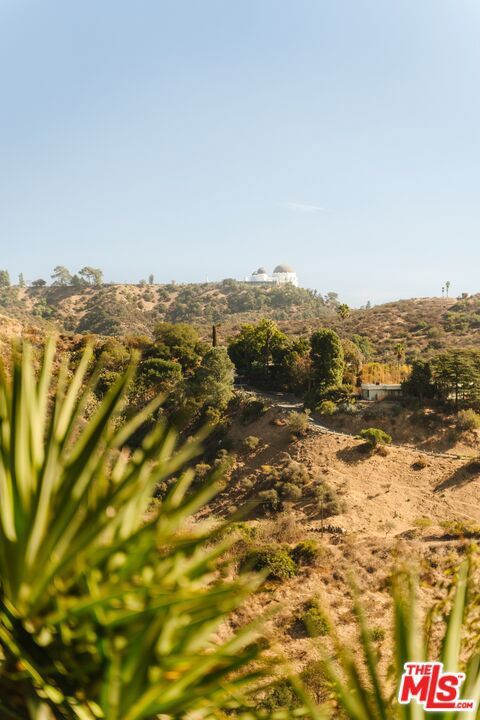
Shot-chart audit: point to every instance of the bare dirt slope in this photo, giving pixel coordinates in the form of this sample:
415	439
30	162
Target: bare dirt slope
404	507
385	496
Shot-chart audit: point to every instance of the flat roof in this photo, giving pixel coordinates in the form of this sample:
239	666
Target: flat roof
381	386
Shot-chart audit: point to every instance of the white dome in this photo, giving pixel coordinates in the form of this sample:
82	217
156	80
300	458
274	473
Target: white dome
284	269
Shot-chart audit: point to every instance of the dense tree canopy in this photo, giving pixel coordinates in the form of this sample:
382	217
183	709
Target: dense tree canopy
452	376
327	359
212	383
420	382
179	342
257	349
456	375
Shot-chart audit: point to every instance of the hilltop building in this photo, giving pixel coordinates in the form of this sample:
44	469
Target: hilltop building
282	275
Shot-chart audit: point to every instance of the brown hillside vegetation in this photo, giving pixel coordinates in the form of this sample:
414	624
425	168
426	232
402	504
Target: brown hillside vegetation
424	325
395	507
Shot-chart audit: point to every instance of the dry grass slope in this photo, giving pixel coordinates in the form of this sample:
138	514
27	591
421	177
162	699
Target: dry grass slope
425	325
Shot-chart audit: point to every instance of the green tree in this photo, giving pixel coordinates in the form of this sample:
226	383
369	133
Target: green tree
327	360
77	282
295	366
179	342
374	437
21	281
400	352
420	382
343	310
353	359
39	283
156	375
257	349
456	375
114	358
212	383
4	279
91	275
151	279
61	276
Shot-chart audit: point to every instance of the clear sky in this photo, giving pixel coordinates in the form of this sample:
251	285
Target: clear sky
200	139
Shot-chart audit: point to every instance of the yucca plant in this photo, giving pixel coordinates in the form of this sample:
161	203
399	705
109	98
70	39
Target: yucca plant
108	609
363	693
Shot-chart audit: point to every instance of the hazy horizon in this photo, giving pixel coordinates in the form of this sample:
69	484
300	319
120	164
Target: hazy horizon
197	141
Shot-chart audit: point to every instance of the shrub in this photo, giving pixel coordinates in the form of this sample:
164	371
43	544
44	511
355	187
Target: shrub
272	558
461	528
288	471
214	416
468	420
291	492
298	423
281	695
251	442
244	530
420	464
246	483
202	470
375	437
253	410
327	407
314	619
327	500
306	552
316	680
349	408
423	522
224	461
269	500
285	528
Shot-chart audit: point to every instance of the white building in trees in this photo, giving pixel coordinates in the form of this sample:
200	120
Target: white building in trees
282	275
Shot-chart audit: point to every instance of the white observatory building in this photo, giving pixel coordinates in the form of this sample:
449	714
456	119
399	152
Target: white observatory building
282	275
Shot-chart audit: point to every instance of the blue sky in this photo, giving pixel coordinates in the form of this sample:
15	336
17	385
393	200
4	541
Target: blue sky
197	139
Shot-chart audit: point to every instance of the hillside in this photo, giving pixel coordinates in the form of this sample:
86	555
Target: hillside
424	325
134	309
391	506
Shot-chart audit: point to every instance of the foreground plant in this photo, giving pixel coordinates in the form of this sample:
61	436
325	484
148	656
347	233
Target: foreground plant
360	689
107	611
